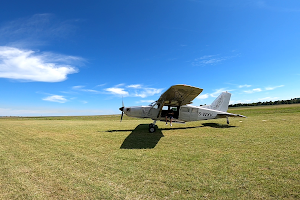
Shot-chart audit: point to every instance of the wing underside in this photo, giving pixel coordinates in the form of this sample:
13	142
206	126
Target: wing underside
178	95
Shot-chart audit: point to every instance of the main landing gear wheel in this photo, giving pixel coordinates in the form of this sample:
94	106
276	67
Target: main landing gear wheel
152	128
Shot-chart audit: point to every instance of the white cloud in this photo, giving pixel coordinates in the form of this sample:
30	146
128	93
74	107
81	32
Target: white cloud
27	65
35	30
77	87
147	92
135	90
134	86
253	90
81	88
217	92
210	60
203	96
273	88
56	98
117	91
242	86
260	90
145	101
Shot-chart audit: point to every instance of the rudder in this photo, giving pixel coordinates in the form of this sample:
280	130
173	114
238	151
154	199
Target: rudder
221	102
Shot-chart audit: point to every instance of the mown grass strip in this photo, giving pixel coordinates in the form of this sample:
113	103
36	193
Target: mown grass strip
101	158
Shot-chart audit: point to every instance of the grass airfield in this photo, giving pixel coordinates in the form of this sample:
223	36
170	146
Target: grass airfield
97	157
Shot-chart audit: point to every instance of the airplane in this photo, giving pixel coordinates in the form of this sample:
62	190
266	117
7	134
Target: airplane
178	98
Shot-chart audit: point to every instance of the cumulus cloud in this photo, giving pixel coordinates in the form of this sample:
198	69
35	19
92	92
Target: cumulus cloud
203	96
56	98
117	91
27	65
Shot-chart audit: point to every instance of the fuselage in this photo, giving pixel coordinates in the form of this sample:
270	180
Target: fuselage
183	113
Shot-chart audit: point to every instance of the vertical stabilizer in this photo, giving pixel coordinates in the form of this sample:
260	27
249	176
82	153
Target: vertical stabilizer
221	102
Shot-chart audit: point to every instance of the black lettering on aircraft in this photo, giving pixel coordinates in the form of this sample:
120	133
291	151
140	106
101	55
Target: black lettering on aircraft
206	114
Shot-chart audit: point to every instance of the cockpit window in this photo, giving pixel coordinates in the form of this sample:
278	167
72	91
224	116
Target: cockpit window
152	104
155	105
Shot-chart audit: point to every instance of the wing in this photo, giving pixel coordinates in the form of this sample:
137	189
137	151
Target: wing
178	95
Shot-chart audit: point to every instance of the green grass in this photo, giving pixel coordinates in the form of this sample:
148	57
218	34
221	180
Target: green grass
97	157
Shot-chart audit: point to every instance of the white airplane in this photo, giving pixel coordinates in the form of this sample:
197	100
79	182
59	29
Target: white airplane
178	98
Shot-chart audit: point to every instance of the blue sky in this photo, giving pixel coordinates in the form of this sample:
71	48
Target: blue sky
82	57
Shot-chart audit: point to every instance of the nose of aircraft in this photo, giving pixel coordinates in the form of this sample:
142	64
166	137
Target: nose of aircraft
121	109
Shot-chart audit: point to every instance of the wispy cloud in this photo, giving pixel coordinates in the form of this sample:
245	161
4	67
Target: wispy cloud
136	86
145	92
134	90
145	101
27	65
35	30
56	98
273	88
218	92
261	90
83	89
253	90
210	60
242	86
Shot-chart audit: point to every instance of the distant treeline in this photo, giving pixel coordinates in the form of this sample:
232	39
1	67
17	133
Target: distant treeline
292	101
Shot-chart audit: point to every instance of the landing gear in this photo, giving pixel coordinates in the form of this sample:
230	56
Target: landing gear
227	120
152	127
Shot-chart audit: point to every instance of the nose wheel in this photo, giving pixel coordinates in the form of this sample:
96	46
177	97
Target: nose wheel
152	127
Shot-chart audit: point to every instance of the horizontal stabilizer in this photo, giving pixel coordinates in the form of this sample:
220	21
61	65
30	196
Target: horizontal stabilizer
229	115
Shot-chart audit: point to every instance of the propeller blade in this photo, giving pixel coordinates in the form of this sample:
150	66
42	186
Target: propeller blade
122	116
121	109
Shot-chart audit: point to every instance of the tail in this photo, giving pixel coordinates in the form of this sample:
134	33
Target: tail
221	102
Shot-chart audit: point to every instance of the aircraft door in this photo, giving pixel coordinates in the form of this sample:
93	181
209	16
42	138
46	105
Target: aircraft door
184	114
194	114
153	113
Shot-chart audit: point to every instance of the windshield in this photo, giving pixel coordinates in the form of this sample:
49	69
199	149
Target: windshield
152	104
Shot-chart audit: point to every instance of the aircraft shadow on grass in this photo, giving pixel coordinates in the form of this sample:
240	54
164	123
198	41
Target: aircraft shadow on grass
140	138
216	125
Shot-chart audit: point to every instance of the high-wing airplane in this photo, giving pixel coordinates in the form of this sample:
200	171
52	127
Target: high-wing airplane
177	98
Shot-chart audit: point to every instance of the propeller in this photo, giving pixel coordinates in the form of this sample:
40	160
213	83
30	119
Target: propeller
122	109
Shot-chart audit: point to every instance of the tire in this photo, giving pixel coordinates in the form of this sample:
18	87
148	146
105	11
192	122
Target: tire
152	129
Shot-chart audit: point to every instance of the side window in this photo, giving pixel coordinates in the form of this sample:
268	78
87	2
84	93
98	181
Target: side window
165	108
195	110
174	109
184	109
